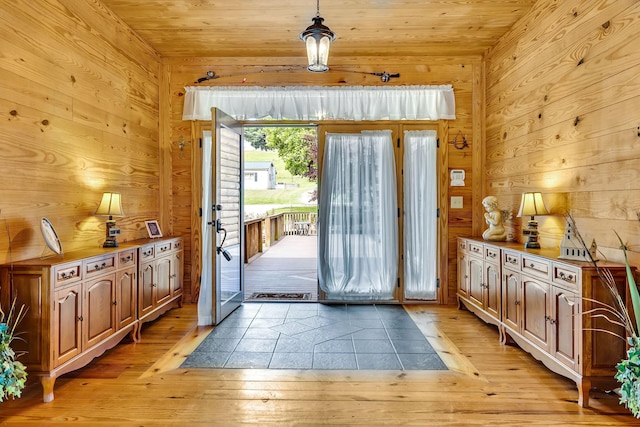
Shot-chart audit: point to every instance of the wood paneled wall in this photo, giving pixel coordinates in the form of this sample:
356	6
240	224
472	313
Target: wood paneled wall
79	115
563	91
465	74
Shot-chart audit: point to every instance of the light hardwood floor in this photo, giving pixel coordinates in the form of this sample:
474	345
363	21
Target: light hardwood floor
488	384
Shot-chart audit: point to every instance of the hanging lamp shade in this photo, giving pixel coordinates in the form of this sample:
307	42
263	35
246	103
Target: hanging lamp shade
318	38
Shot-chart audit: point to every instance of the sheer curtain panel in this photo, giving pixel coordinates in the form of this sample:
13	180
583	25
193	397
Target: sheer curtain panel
358	231
205	298
420	210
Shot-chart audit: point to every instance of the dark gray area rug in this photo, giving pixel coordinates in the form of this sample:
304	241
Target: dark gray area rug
316	336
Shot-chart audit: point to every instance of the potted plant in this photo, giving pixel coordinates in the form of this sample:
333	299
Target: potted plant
628	370
13	374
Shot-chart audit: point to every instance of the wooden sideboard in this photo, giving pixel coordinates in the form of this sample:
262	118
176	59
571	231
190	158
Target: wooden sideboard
87	301
541	303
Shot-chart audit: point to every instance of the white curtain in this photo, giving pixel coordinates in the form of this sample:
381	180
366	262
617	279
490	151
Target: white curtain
358	231
322	103
420	207
205	299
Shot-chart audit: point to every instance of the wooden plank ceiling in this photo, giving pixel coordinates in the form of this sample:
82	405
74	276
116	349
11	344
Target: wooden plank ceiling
270	28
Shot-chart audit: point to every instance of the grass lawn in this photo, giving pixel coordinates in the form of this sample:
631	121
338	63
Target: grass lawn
290	197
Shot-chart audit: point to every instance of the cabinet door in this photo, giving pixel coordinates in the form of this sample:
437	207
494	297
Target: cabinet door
99	309
476	287
536	307
163	281
566	327
463	276
176	275
511	300
125	297
67	341
146	290
492	289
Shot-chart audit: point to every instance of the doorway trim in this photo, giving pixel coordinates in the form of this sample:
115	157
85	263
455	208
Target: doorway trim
442	128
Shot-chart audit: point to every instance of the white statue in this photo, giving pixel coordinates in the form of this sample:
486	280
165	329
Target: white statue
495	218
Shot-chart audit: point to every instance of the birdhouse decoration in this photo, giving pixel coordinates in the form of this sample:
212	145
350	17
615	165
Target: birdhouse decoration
572	248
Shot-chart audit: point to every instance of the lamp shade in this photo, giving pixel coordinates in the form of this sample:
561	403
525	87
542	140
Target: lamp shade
111	204
532	204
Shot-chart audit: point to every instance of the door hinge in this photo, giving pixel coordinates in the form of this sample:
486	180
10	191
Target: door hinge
200	211
438	213
437	283
398	282
200	142
437	142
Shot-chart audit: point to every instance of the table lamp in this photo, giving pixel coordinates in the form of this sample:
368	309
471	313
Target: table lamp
532	205
111	204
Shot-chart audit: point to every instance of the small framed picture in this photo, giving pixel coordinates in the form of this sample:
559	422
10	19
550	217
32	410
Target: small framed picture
153	229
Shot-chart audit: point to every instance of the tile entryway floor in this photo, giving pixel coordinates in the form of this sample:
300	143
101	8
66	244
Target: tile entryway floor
316	336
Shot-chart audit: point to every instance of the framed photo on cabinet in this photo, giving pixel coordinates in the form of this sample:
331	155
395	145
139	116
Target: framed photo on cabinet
153	229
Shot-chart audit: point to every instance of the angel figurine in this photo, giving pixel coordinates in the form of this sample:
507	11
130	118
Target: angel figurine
495	218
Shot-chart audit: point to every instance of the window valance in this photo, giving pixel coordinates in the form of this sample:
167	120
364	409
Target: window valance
322	103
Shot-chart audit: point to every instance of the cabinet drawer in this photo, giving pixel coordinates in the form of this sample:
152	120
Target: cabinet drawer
147	253
127	258
536	266
67	273
567	275
462	245
163	248
177	245
99	265
491	253
511	259
475	248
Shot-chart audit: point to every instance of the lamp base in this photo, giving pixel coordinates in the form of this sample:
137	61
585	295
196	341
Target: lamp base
532	235
110	243
112	232
531	245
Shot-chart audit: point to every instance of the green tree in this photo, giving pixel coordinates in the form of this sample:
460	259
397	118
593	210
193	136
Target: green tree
257	137
297	147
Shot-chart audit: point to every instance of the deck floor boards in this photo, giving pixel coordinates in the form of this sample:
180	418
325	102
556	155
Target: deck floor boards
289	266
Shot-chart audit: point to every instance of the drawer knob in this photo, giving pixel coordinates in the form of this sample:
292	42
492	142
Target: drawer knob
69	275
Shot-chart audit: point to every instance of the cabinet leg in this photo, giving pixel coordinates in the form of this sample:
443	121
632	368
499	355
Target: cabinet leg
503	334
134	333
584	386
47	388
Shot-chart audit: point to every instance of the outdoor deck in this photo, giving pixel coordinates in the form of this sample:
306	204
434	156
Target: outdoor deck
288	266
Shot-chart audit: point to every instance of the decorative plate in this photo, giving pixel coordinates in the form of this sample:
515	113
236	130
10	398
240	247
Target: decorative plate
50	236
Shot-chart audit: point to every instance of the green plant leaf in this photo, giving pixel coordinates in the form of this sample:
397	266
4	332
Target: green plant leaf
633	289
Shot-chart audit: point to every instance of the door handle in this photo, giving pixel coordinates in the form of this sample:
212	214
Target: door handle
220	249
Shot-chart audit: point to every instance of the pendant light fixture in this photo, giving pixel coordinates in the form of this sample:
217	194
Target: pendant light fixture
318	37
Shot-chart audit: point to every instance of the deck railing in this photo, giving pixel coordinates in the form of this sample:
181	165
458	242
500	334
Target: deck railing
261	233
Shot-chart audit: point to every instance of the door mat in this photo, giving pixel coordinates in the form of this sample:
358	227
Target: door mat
279	296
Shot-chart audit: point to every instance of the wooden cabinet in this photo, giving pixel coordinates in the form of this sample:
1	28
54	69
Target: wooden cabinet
480	281
86	302
544	307
73	315
160	277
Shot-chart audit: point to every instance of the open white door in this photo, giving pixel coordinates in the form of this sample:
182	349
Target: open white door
226	225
